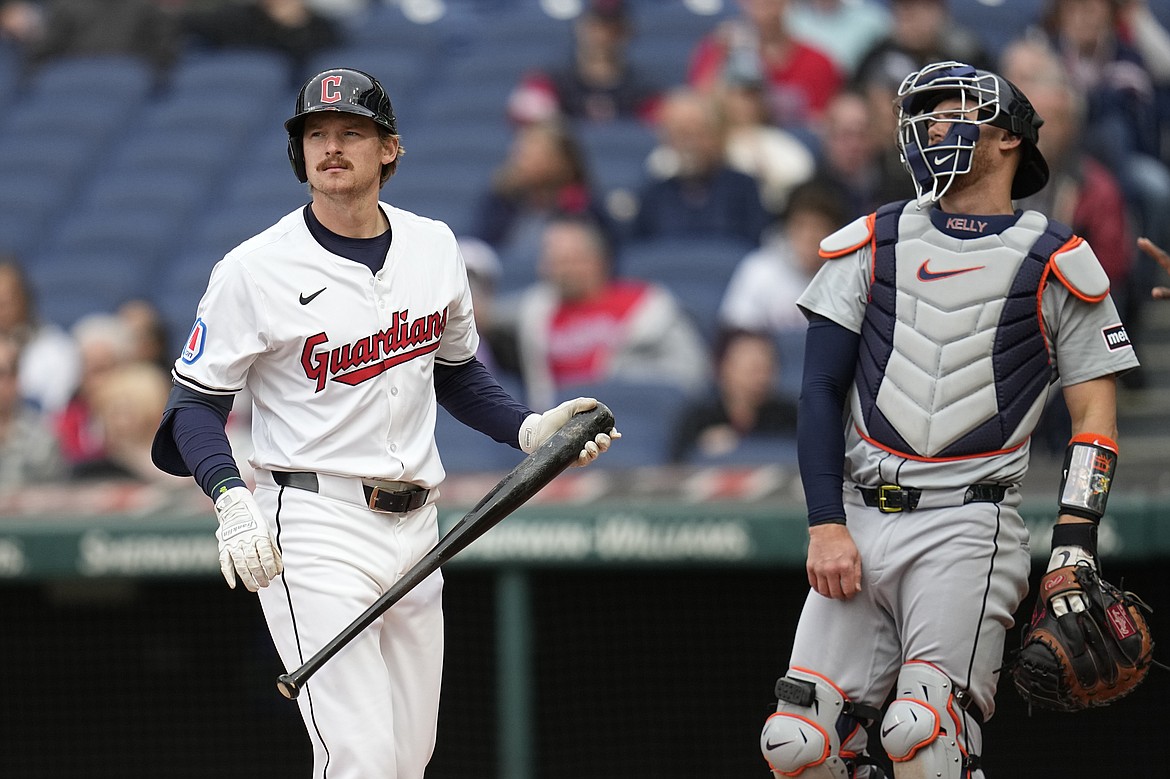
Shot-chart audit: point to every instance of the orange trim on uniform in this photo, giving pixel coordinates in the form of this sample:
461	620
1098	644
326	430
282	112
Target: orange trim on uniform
921	459
1071	244
1096	439
1040	308
869	221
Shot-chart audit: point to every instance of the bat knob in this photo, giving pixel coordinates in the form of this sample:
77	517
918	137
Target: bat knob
288	686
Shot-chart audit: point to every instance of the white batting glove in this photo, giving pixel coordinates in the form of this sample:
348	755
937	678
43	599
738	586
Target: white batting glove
538	428
1063	556
245	546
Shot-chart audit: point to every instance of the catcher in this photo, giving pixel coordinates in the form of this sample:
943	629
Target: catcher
938	330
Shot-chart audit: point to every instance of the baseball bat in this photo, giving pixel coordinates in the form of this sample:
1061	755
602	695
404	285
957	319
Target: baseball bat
525	480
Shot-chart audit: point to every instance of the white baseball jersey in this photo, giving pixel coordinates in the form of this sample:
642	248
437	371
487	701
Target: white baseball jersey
339	363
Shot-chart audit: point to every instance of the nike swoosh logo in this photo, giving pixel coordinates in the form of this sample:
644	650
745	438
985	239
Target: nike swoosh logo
306	300
926	274
942	159
890	729
769	745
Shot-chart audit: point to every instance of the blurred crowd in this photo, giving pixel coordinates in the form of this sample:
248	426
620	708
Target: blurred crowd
778	130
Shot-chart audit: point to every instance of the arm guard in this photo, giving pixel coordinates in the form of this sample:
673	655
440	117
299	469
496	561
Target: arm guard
1089	463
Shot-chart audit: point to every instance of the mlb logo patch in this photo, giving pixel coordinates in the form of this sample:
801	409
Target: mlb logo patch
1116	337
194	348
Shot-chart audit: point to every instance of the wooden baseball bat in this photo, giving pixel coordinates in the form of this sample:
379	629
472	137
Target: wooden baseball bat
524	481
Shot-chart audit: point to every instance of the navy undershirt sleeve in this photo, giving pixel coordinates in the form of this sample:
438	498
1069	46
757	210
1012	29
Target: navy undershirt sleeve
473	396
830	360
192	441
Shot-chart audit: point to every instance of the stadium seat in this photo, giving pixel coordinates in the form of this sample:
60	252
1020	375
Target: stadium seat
988	19
698	258
142	235
162	189
645	414
122	80
70	284
464	450
260	73
616	152
384	24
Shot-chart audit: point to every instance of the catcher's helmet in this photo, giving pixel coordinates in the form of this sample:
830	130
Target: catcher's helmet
338	89
992	99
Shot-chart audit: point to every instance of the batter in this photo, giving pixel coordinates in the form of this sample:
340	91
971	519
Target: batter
938	328
346	321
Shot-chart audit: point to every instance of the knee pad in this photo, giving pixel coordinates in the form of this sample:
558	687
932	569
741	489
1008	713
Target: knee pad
924	727
816	732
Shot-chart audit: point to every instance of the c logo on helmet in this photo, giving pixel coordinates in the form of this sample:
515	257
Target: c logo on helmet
331	89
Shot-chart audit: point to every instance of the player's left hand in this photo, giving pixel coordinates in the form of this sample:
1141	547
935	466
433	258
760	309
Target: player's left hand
538	428
1062	557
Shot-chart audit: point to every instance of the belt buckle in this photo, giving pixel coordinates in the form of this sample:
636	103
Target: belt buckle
883	493
375	493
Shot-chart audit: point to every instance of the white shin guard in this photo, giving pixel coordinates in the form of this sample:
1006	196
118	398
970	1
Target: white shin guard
803	738
924	731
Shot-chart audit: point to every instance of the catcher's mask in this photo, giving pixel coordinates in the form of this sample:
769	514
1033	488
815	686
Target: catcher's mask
339	89
986	98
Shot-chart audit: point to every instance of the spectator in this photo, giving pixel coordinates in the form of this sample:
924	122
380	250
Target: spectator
28	449
73	28
698	192
745	404
801	78
1081	192
1120	119
599	84
290	27
148	332
126	402
104	343
923	31
857	155
483	274
777	159
544	175
761	295
582	325
49	365
843	29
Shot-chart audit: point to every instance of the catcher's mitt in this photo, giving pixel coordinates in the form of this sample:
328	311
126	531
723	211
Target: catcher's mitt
1088	658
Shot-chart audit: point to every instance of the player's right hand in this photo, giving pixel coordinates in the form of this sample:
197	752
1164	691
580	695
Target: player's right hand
833	564
245	546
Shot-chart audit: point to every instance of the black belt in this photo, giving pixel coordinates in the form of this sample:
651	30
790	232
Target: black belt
890	498
377	498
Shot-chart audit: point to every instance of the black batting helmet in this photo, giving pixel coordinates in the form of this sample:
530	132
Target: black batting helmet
338	89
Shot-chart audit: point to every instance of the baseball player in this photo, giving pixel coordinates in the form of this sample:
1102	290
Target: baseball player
345	321
937	330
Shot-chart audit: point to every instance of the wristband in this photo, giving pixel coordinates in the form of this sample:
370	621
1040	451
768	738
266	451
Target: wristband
1089	463
1082	534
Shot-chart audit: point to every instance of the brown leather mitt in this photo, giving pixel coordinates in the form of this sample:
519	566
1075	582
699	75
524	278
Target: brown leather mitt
1083	658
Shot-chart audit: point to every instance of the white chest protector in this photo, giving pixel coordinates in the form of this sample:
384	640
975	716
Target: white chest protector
954	361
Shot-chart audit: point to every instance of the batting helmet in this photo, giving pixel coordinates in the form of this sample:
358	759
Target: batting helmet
338	89
986	98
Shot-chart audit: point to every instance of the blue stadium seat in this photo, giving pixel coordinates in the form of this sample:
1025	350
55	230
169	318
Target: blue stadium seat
142	235
645	414
697	258
464	450
229	116
27	200
162	189
265	187
616	152
189	150
70	284
122	80
990	20
260	73
384	24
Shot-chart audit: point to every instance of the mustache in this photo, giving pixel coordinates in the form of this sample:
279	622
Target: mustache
334	162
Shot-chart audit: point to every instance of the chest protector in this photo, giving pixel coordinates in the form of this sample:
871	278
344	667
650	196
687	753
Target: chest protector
953	359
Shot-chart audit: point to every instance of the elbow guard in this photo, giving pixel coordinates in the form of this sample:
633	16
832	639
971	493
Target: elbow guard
1089	463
